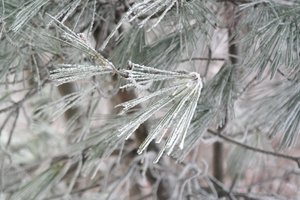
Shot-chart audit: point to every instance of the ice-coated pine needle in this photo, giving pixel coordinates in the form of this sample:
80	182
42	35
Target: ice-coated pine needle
68	72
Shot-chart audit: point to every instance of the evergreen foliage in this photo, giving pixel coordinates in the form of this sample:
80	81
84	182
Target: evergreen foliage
119	99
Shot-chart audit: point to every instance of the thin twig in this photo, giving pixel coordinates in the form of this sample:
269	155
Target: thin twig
202	58
28	95
285	76
222	190
16	112
281	177
207	63
279	155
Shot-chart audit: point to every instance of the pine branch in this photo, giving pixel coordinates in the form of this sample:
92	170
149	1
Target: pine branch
195	59
176	108
271	153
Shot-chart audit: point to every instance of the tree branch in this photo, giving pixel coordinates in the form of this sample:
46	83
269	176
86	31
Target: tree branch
201	58
271	153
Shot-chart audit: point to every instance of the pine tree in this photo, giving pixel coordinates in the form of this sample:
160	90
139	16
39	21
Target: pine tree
149	99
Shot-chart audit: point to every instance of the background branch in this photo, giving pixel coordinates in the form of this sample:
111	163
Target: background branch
279	155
